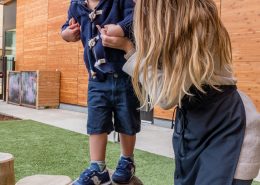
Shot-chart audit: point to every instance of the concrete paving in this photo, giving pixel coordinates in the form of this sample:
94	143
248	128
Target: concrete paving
152	138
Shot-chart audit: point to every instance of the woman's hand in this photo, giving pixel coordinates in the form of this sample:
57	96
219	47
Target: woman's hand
112	30
122	43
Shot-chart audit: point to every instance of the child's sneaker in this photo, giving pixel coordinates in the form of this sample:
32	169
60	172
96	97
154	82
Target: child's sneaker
125	170
93	176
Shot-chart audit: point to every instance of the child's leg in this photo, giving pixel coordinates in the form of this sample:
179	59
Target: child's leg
98	126
96	173
97	147
99	118
125	169
127	123
127	144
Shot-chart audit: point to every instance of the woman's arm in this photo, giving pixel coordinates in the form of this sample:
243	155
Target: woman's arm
129	67
122	43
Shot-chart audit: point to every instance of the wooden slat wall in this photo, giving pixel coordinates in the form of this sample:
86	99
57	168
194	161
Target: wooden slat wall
39	46
163	114
242	21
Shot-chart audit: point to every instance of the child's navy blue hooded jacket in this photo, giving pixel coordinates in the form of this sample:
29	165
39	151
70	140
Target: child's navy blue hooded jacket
98	59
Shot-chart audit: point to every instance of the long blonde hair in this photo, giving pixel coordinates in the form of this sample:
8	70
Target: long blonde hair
180	38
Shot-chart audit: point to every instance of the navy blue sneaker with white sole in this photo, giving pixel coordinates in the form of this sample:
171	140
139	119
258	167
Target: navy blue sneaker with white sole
125	171
93	176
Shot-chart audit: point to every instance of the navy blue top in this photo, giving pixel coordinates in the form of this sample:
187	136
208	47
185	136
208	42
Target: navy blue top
98	59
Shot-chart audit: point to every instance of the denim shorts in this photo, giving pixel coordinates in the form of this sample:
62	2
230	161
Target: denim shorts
112	105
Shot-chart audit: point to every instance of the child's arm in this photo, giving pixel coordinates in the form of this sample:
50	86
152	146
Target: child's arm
70	31
128	10
112	30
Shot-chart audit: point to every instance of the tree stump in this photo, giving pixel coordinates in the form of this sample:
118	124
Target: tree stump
135	180
45	180
6	169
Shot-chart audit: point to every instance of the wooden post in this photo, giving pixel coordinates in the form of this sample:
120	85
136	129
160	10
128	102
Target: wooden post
6	169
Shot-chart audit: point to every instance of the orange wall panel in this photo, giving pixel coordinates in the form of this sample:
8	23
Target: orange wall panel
40	47
241	16
164	114
241	19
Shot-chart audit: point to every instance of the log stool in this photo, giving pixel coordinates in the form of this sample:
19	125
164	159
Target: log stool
45	180
135	180
6	169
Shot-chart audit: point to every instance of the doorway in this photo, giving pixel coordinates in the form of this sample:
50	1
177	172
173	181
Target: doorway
10	48
7	61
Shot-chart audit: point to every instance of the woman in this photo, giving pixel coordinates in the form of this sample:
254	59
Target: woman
183	57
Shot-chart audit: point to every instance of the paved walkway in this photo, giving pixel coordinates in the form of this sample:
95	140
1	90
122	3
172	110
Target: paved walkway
152	138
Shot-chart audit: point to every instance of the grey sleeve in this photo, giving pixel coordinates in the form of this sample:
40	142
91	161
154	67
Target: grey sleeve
129	68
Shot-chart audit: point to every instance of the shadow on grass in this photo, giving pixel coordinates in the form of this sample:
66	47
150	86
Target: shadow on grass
7	117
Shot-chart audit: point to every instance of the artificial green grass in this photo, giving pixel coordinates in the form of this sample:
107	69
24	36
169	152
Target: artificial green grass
43	149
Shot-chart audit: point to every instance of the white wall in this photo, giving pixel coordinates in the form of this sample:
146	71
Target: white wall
1	28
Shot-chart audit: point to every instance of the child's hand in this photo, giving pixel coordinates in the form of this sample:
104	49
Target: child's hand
72	32
73	23
113	30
